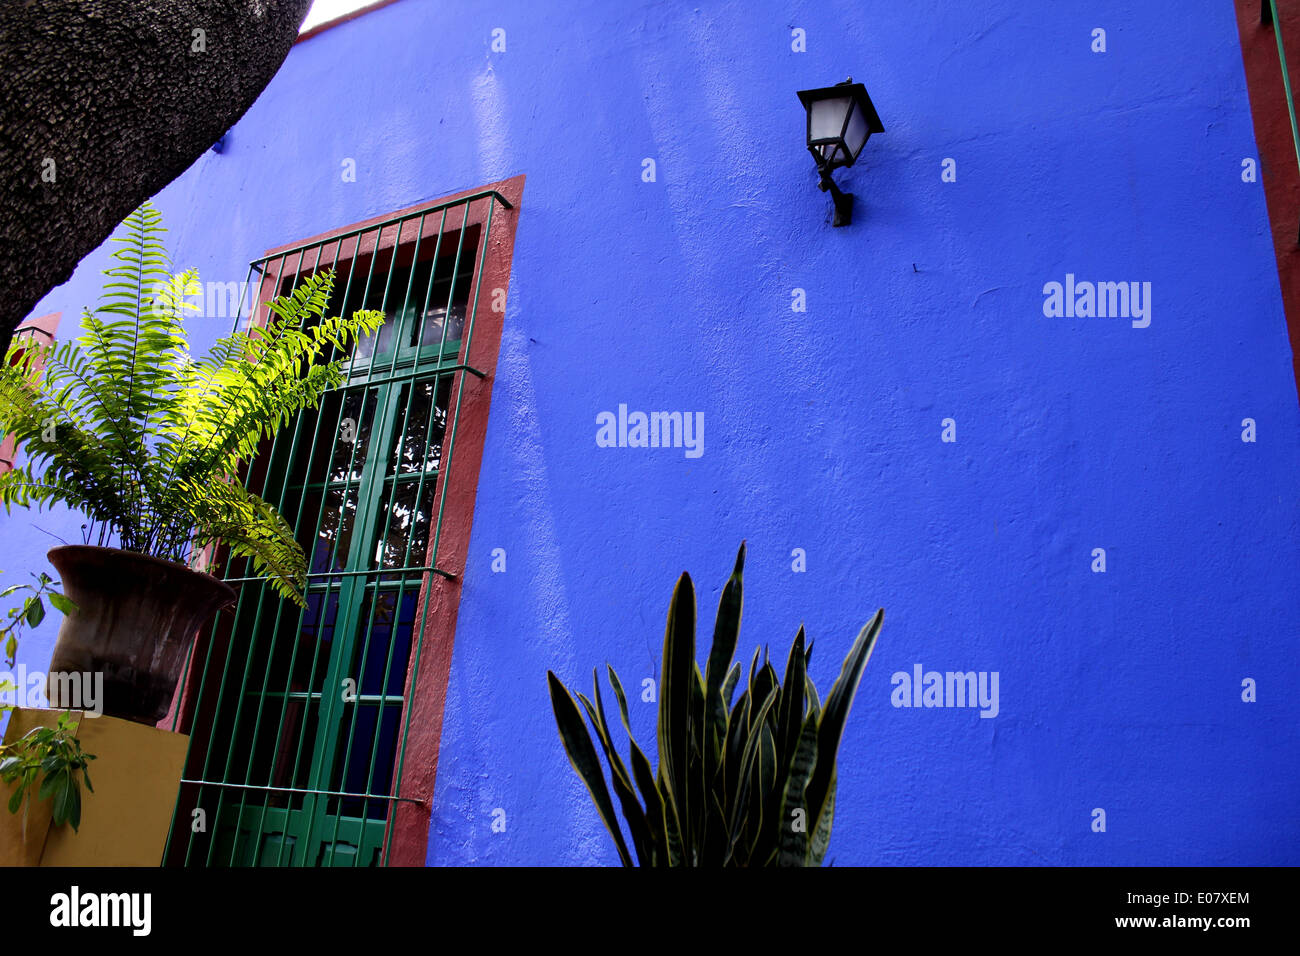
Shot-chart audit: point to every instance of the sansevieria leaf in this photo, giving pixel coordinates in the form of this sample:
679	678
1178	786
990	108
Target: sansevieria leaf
582	754
749	782
835	714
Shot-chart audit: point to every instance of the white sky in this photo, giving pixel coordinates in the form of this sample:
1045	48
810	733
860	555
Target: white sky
323	10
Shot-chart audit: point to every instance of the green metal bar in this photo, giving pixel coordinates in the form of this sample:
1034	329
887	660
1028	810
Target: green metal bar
417	500
239	605
257	615
410	396
368	572
306	810
480	253
319	416
384	457
377	455
344	632
449	440
271	462
395	781
426	370
314	695
321	793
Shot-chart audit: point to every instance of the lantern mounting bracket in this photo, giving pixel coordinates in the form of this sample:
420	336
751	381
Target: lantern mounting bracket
843	201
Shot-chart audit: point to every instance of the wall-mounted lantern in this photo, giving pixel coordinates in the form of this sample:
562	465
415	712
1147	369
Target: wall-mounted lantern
840	121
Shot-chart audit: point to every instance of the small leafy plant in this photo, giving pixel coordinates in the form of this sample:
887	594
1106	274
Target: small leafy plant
744	784
124	425
54	755
29	613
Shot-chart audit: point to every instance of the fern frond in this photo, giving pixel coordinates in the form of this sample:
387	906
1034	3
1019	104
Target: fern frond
126	426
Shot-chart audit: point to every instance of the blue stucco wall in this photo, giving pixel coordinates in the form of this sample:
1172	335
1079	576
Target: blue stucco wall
1119	690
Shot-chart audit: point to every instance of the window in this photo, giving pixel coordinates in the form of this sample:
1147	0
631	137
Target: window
301	719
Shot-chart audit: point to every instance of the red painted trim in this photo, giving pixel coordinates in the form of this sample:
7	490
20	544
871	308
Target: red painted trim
43	327
1277	156
330	24
426	691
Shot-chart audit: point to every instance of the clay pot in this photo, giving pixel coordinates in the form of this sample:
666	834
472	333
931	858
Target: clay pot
136	616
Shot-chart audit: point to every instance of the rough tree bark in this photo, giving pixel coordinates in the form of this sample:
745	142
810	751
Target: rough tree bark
105	102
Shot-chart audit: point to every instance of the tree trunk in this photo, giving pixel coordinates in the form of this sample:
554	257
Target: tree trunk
106	102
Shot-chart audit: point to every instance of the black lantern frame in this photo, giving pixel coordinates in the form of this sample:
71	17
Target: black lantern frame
834	151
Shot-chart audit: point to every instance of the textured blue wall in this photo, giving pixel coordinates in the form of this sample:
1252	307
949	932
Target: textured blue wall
1120	691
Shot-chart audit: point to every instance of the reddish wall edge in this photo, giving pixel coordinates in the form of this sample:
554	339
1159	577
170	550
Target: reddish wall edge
1278	167
427	686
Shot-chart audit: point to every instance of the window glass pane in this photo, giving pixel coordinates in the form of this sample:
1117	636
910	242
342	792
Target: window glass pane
390	640
329	545
374	744
417	441
352	441
403	525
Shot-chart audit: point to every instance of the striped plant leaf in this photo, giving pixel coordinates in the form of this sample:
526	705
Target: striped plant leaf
675	706
790	719
821	836
582	754
620	778
794	838
745	771
644	777
836	713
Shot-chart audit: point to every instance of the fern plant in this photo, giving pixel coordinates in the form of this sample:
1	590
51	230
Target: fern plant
750	783
124	425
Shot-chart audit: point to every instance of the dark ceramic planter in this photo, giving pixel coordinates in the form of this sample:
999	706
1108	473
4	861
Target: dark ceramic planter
136	616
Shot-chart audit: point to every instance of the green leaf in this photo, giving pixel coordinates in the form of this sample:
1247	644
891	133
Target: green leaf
675	707
793	842
790	719
66	806
645	781
834	716
35	612
52	781
582	755
821	837
729	688
622	780
739	806
62	604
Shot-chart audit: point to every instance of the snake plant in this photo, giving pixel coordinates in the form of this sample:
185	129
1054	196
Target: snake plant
749	783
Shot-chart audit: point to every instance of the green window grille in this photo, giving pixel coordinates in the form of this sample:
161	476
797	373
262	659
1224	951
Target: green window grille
298	717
